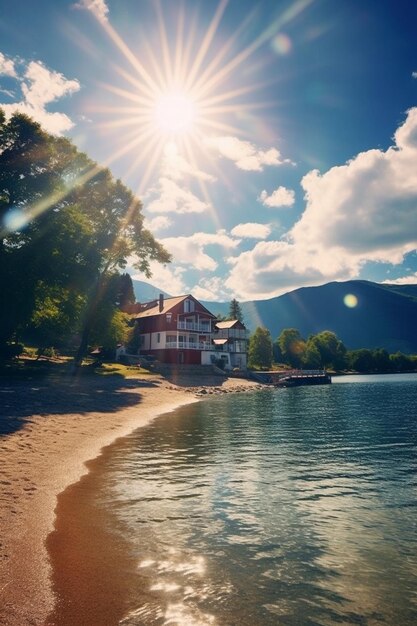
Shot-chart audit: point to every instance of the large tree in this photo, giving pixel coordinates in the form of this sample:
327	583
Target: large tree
65	223
260	348
291	346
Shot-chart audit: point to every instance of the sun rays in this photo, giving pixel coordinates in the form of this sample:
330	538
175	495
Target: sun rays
186	91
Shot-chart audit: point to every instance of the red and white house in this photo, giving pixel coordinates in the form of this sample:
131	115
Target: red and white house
180	330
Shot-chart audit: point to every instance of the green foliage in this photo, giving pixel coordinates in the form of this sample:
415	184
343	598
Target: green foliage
326	350
235	311
126	293
260	349
291	346
56	317
331	349
311	357
66	229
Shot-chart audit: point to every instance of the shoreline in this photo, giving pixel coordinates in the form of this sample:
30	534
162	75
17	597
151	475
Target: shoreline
48	452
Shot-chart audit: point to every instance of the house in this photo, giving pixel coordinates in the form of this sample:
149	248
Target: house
233	337
180	330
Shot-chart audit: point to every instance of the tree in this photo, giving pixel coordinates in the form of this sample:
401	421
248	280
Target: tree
235	311
331	349
292	346
311	358
126	292
260	348
361	360
66	224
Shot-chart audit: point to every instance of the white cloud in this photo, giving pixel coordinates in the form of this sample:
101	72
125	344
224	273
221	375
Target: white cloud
40	87
280	197
270	269
411	279
98	7
166	277
362	211
251	230
190	251
414	74
7	67
160	222
176	167
244	154
211	289
175	199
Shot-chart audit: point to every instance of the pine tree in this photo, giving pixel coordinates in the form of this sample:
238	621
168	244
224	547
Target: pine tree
235	311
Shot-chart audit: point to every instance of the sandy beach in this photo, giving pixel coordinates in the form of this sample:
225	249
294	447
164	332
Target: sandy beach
49	430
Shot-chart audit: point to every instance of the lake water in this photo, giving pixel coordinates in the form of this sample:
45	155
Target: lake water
289	506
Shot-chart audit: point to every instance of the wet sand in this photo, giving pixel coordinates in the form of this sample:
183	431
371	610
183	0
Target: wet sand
49	431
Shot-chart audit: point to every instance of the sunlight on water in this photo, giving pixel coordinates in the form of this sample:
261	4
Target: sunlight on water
278	507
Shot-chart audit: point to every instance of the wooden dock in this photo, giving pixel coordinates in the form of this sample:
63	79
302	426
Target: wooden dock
298	378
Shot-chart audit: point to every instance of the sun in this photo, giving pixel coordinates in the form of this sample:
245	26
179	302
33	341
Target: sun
182	90
175	113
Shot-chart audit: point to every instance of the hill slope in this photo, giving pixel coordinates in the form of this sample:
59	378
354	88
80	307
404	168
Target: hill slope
385	315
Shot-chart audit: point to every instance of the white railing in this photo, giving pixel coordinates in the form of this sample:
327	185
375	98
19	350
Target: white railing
201	328
188	345
234	333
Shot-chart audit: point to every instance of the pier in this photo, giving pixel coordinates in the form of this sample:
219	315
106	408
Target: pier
296	378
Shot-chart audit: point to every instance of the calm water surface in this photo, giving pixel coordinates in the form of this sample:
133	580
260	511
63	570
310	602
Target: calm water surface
291	506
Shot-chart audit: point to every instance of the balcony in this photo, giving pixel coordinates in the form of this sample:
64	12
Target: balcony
200	328
189	345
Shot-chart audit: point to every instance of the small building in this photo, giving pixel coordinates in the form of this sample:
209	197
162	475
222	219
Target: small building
231	337
180	330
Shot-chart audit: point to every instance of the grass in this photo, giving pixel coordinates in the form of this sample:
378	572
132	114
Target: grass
27	367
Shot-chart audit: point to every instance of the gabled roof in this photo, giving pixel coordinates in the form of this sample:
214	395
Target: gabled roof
151	309
228	324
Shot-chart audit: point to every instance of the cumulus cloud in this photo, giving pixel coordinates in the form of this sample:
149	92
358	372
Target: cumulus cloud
7	67
40	87
280	197
173	198
175	166
212	289
98	7
251	230
169	278
411	279
190	251
244	154
362	211
160	222
172	194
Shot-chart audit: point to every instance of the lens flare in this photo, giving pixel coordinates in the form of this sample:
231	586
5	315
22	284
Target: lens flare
15	220
175	113
350	300
282	44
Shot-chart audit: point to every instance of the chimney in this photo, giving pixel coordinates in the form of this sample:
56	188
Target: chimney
161	302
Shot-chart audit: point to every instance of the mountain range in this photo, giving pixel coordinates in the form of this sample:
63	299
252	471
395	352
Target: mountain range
382	315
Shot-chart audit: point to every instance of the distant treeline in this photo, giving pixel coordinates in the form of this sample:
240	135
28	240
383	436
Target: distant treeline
323	350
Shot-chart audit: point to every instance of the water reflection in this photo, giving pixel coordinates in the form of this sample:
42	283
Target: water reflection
295	506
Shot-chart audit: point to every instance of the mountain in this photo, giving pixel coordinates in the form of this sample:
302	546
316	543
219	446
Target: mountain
145	292
385	315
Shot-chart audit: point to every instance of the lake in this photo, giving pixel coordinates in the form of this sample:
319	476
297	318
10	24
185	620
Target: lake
278	506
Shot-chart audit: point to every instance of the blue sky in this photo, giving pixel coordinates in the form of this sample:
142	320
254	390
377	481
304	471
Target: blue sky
273	143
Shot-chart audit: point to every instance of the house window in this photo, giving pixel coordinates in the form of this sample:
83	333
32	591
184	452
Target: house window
142	340
169	318
189	306
158	338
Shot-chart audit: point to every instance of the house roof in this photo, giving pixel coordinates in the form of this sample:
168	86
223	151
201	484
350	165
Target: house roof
228	324
151	309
